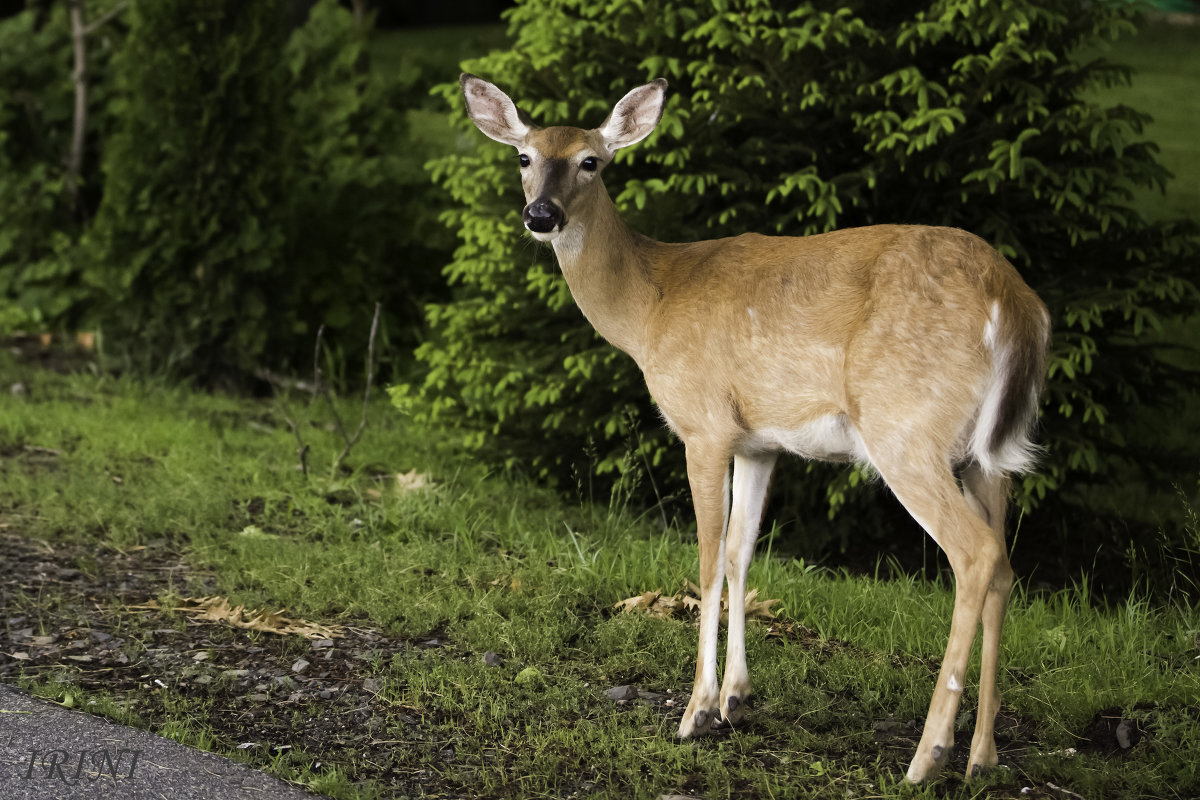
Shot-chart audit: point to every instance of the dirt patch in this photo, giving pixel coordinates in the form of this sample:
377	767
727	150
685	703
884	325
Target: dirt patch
69	620
1114	734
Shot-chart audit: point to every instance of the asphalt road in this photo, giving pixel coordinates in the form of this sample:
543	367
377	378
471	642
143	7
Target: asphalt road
48	752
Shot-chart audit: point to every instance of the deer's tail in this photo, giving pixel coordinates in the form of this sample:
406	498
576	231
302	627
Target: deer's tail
1018	336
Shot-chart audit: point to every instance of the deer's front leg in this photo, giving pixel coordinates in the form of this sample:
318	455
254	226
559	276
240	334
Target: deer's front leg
751	477
708	476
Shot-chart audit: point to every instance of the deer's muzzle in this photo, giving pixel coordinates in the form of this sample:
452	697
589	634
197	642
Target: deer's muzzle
543	216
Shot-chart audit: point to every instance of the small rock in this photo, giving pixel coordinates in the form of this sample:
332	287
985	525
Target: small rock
622	693
100	636
258	698
202	679
1127	734
492	660
322	643
300	666
371	685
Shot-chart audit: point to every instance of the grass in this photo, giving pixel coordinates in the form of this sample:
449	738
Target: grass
1166	76
487	563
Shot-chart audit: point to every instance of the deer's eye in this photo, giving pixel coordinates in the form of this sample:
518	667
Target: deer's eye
589	164
524	159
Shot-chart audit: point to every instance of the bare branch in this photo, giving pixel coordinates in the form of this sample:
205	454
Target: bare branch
320	389
80	30
362	422
103	18
317	361
79	78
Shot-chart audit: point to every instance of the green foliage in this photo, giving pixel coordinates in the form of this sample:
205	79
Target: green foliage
361	219
187	247
956	112
258	187
39	228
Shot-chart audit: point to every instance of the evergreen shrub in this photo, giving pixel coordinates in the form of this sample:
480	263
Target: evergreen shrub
40	228
361	214
187	247
796	119
257	188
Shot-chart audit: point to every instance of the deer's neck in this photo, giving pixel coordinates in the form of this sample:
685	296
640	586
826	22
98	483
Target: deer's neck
606	266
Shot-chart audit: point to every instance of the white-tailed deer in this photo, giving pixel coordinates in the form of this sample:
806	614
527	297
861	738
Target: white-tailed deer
916	350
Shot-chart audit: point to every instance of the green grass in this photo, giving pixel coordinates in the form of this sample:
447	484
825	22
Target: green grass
490	563
1165	84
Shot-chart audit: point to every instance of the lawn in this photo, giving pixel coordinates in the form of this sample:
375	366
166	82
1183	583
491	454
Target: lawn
1166	76
463	636
471	638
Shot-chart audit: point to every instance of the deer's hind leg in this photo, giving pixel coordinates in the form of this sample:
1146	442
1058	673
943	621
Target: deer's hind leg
925	486
988	494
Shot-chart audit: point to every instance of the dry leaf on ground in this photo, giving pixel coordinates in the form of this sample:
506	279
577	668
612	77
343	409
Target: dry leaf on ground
682	605
412	480
656	604
217	609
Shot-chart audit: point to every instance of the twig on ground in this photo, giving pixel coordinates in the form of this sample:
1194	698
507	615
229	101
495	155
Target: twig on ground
287	382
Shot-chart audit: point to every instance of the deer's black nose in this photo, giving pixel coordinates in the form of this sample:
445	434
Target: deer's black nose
542	216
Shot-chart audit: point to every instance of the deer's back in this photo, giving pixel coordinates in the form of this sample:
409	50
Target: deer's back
783	331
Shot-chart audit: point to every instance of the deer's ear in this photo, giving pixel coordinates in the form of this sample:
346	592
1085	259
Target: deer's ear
635	115
494	112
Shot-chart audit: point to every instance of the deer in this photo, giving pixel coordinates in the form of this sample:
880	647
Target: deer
916	351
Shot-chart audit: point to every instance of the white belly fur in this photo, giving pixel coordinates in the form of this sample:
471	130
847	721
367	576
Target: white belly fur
828	438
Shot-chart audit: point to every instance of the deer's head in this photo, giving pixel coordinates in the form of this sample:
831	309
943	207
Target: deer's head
561	165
